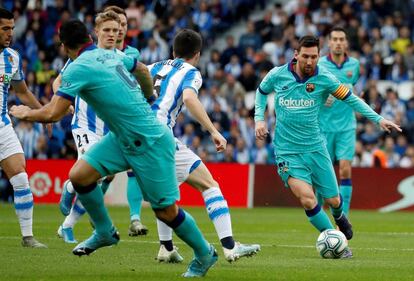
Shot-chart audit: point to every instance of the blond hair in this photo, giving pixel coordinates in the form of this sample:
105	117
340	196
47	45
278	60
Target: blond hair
106	16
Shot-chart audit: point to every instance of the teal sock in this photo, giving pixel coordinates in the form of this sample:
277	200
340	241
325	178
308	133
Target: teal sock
319	198
319	219
337	212
186	228
346	191
105	185
134	196
93	203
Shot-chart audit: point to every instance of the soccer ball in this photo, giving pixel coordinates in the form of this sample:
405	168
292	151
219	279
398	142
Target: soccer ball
331	244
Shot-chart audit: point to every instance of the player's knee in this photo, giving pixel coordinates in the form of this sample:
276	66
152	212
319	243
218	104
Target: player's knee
345	170
334	202
167	214
308	202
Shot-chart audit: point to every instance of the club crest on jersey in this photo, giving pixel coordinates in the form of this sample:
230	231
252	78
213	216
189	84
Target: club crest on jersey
10	58
349	74
310	87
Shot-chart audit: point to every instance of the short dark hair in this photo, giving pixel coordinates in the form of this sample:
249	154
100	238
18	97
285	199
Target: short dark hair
337	28
308	41
73	34
115	9
5	14
187	43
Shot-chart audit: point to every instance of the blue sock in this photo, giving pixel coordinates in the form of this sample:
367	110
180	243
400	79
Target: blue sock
92	201
134	196
319	219
345	189
186	228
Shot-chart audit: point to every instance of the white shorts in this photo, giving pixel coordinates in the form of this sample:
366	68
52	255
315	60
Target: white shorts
185	161
84	139
9	142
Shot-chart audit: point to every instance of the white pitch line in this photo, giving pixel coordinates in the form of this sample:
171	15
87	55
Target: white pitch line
262	245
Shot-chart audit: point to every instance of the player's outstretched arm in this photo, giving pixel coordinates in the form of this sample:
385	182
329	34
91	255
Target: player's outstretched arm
197	110
51	112
25	95
387	125
360	106
144	79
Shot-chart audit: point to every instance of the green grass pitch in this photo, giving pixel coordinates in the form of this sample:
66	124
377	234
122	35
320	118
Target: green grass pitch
383	247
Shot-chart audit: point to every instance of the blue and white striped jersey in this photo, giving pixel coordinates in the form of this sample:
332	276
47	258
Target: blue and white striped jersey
84	116
170	78
10	69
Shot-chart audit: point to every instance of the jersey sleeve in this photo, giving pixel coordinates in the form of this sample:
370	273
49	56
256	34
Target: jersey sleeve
334	87
193	80
74	80
129	62
18	75
265	88
267	85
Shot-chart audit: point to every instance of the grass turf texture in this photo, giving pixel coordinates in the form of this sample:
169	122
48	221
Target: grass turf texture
383	247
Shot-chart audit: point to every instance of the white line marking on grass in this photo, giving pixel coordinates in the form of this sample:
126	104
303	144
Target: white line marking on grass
262	245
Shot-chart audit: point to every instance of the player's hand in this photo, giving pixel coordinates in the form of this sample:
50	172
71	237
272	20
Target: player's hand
219	141
387	125
261	130
19	111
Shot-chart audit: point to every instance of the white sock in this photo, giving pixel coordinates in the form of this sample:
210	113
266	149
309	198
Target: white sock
23	203
69	187
75	214
164	231
218	211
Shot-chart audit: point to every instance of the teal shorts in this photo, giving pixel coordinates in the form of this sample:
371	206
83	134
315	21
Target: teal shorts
341	145
154	168
315	168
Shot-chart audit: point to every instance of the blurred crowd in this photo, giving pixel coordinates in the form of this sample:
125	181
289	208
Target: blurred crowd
379	34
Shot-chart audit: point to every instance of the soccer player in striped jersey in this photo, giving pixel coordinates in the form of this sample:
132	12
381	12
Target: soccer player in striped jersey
87	128
176	83
136	140
12	159
302	158
134	193
337	119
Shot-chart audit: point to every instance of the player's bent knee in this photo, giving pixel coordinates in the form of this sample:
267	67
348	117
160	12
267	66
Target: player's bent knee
167	214
308	202
334	202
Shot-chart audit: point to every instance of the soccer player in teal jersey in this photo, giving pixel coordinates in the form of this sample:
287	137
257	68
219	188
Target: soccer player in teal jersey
302	159
136	140
337	119
134	194
91	128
